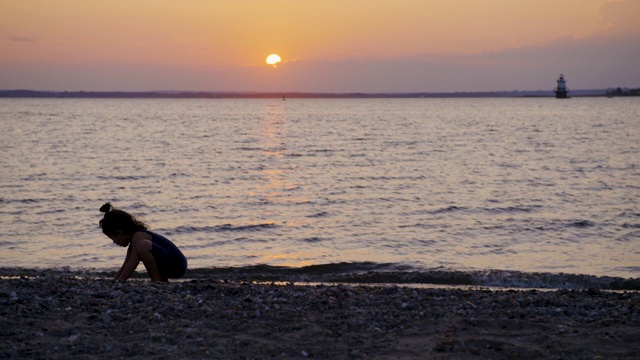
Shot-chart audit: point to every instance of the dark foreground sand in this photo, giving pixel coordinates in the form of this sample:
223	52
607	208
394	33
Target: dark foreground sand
58	316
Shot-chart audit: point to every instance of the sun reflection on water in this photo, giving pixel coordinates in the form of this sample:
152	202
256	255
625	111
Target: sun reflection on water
296	259
278	183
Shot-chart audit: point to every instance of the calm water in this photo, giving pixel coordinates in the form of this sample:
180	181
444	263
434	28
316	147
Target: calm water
534	185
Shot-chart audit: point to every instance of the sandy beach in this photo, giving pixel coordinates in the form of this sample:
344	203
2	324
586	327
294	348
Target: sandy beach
60	314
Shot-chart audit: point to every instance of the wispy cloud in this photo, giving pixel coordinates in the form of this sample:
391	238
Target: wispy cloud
617	14
22	39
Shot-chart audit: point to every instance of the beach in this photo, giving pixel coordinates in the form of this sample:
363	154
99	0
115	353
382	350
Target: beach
70	314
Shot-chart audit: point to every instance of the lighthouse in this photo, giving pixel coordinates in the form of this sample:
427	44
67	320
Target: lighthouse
562	91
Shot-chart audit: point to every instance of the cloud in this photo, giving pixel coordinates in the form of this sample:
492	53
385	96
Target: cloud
620	16
599	61
22	39
594	62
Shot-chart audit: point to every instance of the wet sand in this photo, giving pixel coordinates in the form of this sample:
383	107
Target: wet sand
62	315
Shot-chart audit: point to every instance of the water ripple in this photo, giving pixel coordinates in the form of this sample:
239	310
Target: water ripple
532	185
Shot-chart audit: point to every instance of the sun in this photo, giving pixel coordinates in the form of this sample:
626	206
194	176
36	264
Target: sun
273	59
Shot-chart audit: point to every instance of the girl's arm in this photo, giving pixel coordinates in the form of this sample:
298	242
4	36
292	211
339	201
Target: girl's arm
126	260
129	266
140	251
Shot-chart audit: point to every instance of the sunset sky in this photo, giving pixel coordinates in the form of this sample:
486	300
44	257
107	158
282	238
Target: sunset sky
325	46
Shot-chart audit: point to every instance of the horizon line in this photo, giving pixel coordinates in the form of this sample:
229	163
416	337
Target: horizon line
302	94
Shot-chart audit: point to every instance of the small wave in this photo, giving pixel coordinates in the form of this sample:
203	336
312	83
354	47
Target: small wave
236	241
513	209
629	236
319	215
390	273
419	225
34	176
448	209
269	271
313	240
218	228
256	227
123	177
444	210
54	211
509	166
581	224
391	178
4	243
552	280
11	186
189	229
635	269
386	274
20	201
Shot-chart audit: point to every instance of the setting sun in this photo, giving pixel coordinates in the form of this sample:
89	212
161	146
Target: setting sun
273	59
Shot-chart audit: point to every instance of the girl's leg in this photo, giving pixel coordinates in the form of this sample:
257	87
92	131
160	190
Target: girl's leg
163	262
170	265
150	264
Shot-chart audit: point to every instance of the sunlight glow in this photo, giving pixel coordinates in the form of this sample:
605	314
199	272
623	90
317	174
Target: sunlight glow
273	59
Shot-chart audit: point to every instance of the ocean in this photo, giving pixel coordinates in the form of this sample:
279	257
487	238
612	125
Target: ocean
521	185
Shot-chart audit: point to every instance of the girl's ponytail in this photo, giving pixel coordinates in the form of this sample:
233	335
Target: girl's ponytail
115	220
106	208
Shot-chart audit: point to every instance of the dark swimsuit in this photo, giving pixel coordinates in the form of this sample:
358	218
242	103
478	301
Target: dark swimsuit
169	259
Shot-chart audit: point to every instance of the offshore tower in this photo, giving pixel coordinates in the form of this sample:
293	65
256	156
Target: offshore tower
561	91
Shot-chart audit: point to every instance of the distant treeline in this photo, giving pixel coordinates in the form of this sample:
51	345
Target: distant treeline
285	95
623	92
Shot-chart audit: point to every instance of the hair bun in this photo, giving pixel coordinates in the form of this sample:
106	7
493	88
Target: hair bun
106	208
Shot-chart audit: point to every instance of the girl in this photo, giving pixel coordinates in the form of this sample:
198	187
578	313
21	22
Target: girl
161	258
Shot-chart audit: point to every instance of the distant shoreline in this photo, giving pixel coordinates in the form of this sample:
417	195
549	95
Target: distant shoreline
288	95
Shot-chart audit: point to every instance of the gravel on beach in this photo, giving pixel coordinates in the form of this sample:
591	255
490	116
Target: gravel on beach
61	316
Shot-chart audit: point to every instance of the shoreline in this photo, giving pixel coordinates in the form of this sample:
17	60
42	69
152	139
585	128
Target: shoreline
367	273
60	315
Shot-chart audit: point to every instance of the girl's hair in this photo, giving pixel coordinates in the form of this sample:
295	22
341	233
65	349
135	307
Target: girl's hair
115	220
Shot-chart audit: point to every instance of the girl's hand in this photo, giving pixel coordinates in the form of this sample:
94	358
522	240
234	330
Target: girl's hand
141	246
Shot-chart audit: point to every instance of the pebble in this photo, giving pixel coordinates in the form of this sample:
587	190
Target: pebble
211	318
105	317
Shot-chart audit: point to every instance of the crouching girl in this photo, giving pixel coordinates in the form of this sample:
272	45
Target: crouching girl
162	258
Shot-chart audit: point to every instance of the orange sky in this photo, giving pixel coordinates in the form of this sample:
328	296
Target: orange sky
222	45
